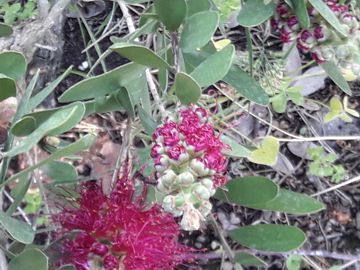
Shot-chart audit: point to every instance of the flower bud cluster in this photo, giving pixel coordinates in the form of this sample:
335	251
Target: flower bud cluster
189	165
321	40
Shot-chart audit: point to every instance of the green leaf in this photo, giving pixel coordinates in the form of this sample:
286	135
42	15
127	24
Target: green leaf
5	30
103	104
7	87
171	13
215	67
104	84
82	144
248	191
293	262
198	30
18	230
195	6
13	64
39	97
24	126
247	259
140	55
147	121
279	102
227	8
29	259
267	153
236	150
57	121
60	171
124	99
247	86
292	203
301	13
255	12
328	15
269	237
335	74
335	267
186	88
18	193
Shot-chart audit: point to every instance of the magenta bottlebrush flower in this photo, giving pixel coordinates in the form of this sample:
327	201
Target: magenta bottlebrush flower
116	232
189	164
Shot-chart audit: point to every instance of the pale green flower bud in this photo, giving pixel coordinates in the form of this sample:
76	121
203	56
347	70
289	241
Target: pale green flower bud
201	192
168	178
206	182
185	179
199	168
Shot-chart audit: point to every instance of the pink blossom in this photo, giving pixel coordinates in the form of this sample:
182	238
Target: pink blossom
117	230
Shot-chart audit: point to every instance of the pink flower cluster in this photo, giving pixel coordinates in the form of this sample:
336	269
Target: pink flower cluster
189	165
320	40
192	136
116	232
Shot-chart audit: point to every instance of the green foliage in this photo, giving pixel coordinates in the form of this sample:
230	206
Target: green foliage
340	110
335	74
247	259
322	165
29	259
267	152
255	12
226	8
14	12
293	262
171	13
5	30
269	237
186	88
261	193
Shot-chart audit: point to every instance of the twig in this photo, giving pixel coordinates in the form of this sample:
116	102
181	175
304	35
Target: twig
312	253
348	182
223	241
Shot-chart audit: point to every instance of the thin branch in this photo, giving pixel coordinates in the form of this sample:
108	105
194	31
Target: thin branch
312	253
348	182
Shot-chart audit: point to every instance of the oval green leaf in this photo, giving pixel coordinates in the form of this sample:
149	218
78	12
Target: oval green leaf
24	126
60	171
104	84
7	87
301	13
29	259
269	237
195	6
13	64
140	55
171	13
186	88
55	123
215	67
198	30
255	12
236	150
247	259
248	191
18	230
335	75
328	15
292	203
246	85
5	30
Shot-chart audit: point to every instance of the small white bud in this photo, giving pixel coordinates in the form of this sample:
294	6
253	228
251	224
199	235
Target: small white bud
191	218
185	179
